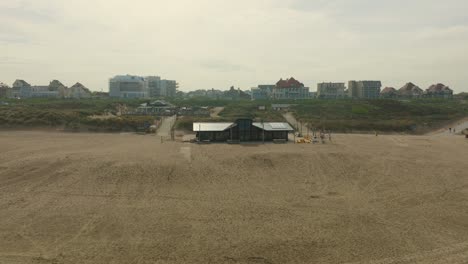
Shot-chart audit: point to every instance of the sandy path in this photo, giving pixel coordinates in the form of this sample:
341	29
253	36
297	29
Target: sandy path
215	112
166	125
459	126
291	119
100	198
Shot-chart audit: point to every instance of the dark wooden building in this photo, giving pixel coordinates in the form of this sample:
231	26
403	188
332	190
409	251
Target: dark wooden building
243	130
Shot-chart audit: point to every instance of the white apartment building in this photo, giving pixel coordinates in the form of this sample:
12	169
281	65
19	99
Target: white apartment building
330	90
128	86
168	88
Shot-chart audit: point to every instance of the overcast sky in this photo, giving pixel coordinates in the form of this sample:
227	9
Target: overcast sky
207	44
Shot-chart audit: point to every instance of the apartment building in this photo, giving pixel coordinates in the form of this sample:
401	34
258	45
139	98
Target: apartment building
331	90
168	88
154	85
128	86
290	89
131	86
364	89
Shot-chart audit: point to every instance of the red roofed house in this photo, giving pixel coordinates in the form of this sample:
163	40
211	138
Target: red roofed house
389	92
290	89
410	90
439	91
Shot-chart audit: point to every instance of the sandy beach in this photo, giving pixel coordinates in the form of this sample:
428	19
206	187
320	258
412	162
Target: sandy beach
125	198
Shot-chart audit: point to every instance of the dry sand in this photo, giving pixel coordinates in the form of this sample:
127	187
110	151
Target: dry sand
99	198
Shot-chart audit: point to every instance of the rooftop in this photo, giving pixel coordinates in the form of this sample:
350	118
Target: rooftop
410	87
204	127
289	83
388	90
219	127
438	88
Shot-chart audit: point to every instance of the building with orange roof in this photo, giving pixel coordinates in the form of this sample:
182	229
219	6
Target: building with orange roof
290	89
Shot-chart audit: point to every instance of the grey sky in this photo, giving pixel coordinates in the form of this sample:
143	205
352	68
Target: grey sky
218	43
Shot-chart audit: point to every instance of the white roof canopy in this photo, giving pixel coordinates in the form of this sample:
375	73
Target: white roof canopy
274	126
218	127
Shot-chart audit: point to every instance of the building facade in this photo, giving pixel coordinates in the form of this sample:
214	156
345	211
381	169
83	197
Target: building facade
61	90
389	92
21	89
79	91
154	85
439	91
262	92
290	89
43	91
410	90
128	86
331	90
364	89
168	88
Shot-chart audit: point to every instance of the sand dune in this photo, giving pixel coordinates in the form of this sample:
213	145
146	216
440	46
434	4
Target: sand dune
98	198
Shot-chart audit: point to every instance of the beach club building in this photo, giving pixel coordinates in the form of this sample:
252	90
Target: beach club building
243	130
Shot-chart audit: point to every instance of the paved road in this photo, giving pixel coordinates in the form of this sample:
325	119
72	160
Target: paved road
459	127
166	125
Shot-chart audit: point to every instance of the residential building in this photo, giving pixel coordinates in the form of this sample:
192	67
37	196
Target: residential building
364	89
290	89
168	88
21	89
389	92
128	86
235	94
410	90
43	91
330	90
57	86
55	89
439	91
242	130
5	90
159	107
79	91
154	85
262	92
